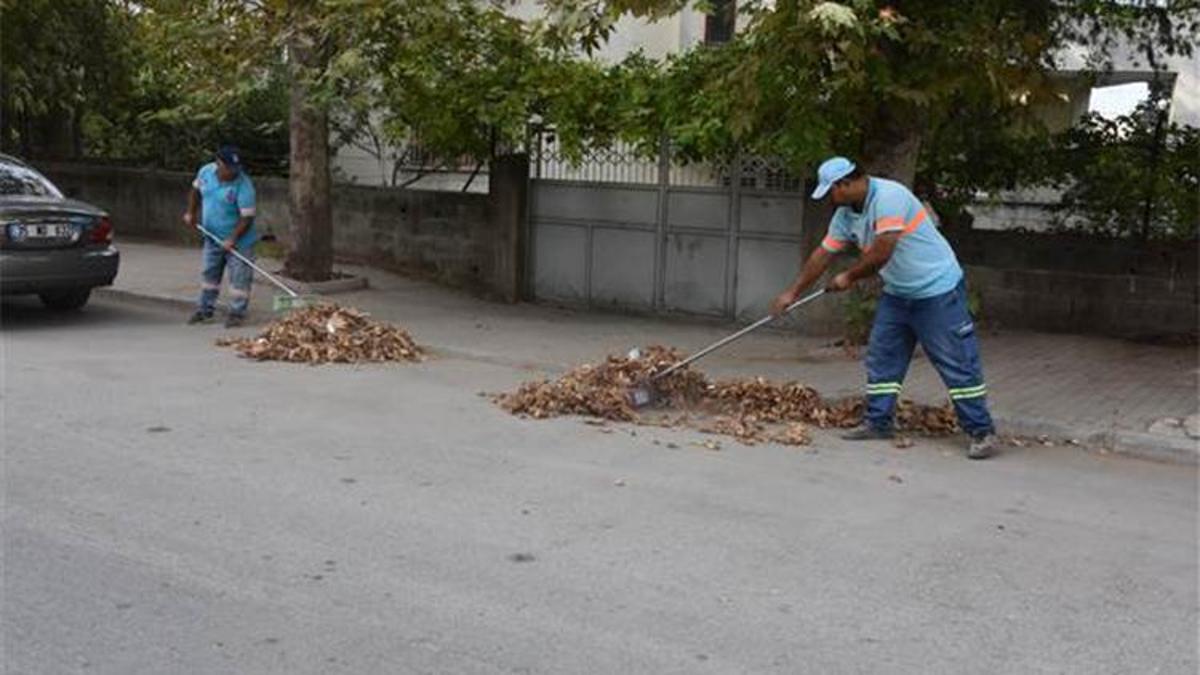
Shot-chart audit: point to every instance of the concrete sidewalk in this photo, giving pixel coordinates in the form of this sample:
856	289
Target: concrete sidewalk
1103	393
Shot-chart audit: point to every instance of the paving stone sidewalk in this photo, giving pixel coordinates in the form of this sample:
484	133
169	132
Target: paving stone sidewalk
1105	393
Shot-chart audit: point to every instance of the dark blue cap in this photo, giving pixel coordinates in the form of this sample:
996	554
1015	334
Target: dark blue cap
230	156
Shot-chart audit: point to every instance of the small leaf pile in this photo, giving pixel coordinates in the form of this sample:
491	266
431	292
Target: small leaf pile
601	390
327	334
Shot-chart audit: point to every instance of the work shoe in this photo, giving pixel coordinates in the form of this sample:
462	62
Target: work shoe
982	446
235	320
866	432
199	317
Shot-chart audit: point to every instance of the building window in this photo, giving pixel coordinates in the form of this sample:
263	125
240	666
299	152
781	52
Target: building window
721	22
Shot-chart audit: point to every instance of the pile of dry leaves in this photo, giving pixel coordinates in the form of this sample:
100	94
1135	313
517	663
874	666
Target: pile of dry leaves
751	410
600	390
327	334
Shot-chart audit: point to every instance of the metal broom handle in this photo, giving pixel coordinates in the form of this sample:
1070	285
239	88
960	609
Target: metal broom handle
730	338
250	262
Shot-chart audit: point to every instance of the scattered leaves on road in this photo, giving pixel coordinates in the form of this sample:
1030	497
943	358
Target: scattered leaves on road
748	410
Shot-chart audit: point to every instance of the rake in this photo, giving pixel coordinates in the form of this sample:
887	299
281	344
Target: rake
280	303
644	393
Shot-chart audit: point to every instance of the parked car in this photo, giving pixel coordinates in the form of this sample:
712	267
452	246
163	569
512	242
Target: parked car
52	246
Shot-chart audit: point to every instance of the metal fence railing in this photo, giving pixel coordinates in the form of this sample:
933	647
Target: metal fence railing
622	162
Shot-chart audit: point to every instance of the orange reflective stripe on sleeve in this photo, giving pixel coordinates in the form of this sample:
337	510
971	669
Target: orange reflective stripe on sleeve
914	223
832	244
889	224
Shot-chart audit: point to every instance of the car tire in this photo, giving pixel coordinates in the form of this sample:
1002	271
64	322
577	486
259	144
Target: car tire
66	300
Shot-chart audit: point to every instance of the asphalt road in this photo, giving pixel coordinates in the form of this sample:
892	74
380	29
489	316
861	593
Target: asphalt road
171	508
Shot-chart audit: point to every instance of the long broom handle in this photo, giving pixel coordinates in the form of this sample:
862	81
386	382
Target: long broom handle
730	338
250	262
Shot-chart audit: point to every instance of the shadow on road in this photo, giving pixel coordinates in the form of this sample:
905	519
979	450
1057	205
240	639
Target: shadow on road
26	313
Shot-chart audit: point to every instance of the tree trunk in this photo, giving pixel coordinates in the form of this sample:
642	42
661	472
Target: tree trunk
892	144
54	135
310	246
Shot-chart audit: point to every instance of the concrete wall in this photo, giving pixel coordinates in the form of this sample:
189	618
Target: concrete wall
1075	283
460	239
1046	282
1058	283
1124	306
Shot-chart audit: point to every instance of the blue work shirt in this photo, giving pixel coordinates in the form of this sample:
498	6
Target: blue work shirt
223	203
922	264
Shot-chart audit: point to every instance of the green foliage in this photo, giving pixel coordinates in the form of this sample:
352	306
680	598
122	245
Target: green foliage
464	79
975	304
995	151
462	76
102	73
163	129
472	79
805	78
1134	176
163	80
859	313
57	59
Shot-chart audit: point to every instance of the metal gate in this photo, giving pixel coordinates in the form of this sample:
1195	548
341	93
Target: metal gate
623	232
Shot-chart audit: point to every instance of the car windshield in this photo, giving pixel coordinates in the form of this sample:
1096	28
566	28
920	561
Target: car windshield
19	180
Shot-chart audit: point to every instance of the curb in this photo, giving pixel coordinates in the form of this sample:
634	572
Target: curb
1138	445
1153	447
1135	444
160	301
174	304
333	287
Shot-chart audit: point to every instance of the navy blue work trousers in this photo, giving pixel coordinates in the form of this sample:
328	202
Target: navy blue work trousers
946	332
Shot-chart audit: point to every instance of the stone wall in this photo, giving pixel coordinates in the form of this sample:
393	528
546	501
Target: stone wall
460	239
1038	281
1080	283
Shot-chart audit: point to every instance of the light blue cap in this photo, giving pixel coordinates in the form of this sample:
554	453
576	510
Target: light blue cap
831	171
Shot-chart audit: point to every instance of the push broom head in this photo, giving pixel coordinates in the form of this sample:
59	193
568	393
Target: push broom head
287	303
642	395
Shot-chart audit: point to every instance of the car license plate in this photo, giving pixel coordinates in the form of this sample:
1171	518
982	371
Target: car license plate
40	231
48	231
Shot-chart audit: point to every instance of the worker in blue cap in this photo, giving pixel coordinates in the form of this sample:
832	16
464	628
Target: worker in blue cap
222	200
924	298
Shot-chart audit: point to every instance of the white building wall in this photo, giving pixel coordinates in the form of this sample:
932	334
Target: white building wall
1129	66
656	39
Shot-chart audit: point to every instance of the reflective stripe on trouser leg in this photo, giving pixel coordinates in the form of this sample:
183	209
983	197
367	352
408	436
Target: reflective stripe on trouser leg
947	334
970	406
241	276
972	411
881	404
239	301
212	261
888	354
878	388
963	393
